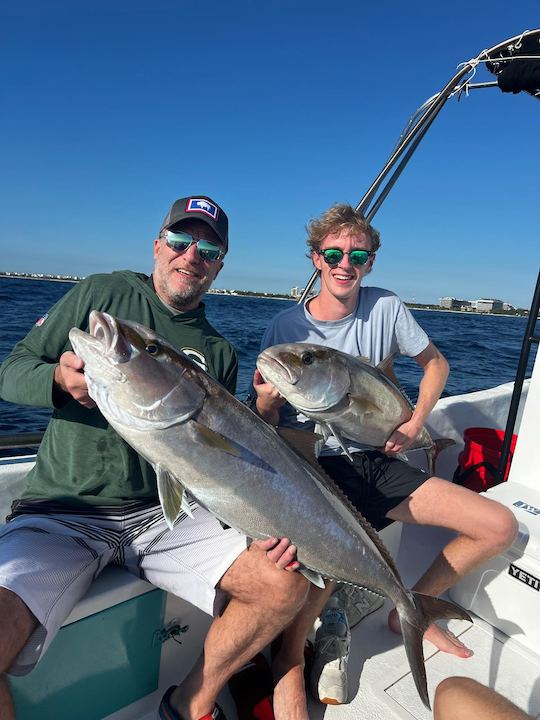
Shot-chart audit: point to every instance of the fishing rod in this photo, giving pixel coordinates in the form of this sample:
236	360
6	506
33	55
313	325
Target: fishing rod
523	50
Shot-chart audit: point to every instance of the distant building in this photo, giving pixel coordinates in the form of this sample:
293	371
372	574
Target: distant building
484	305
489	305
296	292
450	303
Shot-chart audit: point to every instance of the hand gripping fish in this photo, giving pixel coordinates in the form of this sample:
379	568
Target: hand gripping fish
203	441
347	396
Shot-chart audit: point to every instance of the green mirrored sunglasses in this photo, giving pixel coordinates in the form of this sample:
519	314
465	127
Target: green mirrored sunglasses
333	256
181	241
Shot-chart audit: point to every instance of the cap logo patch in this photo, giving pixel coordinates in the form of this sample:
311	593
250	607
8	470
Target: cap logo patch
201	205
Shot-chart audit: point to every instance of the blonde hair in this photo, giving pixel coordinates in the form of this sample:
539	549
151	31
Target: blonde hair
340	218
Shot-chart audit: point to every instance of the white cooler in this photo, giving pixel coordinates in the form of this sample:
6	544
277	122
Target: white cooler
506	591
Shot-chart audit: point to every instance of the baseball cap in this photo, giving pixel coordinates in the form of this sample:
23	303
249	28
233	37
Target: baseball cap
199	207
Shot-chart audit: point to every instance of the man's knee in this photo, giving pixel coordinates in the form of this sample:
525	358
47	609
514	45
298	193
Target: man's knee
17	623
449	690
504	529
254	578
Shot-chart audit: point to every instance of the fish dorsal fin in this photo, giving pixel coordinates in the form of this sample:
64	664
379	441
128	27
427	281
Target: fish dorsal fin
172	495
386	367
303	441
370	530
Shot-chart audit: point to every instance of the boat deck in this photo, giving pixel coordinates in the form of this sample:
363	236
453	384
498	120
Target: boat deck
380	681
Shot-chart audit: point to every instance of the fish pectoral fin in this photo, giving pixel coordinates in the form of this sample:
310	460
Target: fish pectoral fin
171	495
337	435
363	406
212	439
302	441
313	577
323	432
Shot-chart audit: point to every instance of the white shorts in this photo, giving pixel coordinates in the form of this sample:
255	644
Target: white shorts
50	560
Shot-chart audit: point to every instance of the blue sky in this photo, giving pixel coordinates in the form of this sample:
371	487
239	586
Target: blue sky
111	110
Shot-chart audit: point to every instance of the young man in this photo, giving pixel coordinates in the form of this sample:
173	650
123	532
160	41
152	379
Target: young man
374	323
92	500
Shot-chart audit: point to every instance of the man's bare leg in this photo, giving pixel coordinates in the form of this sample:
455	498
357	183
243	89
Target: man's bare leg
264	600
16	625
486	528
288	665
461	698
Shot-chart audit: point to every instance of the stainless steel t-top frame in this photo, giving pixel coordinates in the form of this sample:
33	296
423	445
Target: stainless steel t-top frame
498	57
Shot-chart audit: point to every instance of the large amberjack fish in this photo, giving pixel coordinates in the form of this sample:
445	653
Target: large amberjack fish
347	396
203	441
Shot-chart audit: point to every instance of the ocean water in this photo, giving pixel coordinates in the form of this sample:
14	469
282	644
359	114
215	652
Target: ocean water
483	350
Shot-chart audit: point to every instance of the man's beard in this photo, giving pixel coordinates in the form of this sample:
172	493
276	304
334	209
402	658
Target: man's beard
180	298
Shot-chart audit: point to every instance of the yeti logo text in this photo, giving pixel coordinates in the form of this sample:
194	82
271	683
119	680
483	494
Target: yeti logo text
202	206
528	508
524	577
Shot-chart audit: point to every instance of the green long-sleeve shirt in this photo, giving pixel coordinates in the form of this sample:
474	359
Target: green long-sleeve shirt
82	460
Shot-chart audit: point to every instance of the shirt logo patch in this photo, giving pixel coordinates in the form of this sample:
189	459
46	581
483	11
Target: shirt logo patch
196	357
41	320
202	206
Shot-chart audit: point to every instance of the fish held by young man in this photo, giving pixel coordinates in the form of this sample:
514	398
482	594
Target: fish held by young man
347	396
204	442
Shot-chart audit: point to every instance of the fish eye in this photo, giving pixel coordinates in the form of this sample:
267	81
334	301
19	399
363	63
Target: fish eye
152	349
307	358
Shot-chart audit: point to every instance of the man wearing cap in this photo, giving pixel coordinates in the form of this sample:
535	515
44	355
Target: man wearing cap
91	499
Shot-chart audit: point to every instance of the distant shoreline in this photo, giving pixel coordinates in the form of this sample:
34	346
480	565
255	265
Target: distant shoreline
12	276
461	312
262	296
267	296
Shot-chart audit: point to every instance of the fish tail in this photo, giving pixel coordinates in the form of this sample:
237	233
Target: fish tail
438	446
414	622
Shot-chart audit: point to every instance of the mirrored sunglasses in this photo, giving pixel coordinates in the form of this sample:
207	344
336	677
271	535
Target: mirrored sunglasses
333	256
181	241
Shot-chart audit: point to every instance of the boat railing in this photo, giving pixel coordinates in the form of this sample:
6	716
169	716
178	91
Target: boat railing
529	339
20	440
494	58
